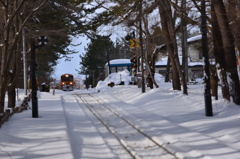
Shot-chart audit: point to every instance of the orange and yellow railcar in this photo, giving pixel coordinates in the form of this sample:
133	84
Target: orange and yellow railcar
67	82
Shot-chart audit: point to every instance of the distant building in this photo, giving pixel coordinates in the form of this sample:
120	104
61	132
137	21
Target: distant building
118	65
195	69
195	59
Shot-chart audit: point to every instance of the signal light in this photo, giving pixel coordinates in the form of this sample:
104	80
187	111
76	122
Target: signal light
134	61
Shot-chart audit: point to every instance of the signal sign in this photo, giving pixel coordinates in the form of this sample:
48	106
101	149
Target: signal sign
42	40
134	43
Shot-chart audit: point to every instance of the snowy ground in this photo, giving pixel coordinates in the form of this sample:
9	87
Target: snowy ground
67	129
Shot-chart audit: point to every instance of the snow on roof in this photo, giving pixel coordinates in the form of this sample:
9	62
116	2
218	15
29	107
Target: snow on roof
160	46
195	38
163	62
119	61
158	63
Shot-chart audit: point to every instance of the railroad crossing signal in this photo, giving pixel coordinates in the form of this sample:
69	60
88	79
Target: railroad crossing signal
134	43
131	37
134	61
42	40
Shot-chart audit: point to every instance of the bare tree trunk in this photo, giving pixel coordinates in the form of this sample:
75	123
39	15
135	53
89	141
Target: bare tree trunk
4	64
233	15
229	50
14	66
167	70
214	82
9	15
13	80
150	76
150	58
169	37
11	96
184	49
219	55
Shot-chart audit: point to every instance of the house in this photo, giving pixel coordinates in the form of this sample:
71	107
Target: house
195	59
195	69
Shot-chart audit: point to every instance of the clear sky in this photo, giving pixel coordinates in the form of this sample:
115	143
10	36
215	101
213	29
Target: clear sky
71	66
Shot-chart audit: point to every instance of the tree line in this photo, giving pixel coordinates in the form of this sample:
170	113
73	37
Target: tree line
59	20
167	21
161	22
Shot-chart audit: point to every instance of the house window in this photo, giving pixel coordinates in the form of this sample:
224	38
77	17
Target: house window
162	71
200	54
113	69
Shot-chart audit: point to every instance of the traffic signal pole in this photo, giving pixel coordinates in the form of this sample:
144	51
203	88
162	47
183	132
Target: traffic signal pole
33	79
24	62
134	61
42	40
141	50
131	37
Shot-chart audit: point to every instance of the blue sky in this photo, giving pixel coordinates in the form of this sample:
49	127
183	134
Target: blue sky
70	66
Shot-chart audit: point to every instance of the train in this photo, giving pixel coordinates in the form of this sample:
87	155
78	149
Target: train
67	82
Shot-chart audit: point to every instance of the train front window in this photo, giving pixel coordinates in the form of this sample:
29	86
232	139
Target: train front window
69	78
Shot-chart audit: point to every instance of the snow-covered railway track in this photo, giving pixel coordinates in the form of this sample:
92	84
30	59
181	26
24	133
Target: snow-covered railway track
136	142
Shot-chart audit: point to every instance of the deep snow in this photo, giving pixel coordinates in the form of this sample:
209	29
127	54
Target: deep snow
66	129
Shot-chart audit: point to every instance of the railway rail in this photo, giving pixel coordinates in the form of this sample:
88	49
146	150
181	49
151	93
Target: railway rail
137	143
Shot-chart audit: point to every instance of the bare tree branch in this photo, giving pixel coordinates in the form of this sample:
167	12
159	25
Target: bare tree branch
20	29
9	21
177	8
3	4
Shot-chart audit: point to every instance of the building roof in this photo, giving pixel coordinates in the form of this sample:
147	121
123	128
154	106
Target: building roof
195	38
163	62
119	62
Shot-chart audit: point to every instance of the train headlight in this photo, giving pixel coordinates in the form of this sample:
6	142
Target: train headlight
63	83
66	75
71	83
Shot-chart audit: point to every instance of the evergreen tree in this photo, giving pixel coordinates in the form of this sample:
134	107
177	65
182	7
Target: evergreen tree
97	53
60	21
95	57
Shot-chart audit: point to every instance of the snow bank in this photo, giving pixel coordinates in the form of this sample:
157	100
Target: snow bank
116	78
123	76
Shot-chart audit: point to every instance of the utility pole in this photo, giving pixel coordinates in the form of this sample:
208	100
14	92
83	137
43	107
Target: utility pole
207	93
141	49
24	62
